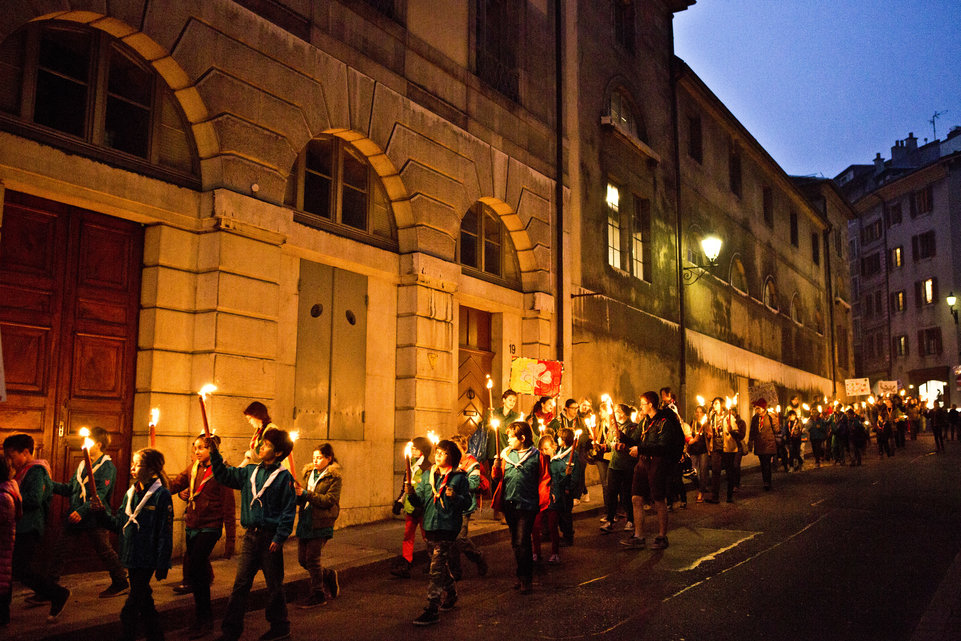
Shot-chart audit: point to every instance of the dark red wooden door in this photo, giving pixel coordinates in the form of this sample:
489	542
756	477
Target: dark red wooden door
69	302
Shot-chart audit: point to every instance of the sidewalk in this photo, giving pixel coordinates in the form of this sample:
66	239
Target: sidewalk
354	551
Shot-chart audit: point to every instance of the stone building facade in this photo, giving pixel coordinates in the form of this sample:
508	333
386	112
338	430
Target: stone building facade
352	212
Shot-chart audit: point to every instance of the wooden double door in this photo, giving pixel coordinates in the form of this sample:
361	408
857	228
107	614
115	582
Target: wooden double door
69	305
474	364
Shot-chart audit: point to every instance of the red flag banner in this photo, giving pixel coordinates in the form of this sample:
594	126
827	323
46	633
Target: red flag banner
537	377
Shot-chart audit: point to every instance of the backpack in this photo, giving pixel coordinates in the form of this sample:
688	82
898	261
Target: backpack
477	443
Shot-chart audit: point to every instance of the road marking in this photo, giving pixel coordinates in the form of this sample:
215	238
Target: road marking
817	503
749	559
580	585
918	458
714	555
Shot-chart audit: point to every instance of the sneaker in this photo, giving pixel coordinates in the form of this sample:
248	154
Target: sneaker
586	498
603	519
402	569
577	502
482	566
312	600
34	601
555	558
114	589
633	542
660	542
607	528
332	583
275	634
628	527
428	616
449	602
57	604
183	588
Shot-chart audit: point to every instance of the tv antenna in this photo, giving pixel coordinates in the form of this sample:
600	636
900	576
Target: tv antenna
934	122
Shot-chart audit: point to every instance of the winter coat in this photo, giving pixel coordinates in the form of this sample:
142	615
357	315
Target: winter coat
275	509
522	471
817	430
320	507
763	436
472	469
36	489
11	508
630	436
662	435
442	513
723	433
561	482
148	542
213	504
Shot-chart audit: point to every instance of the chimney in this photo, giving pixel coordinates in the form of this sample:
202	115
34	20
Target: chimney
910	143
878	163
897	151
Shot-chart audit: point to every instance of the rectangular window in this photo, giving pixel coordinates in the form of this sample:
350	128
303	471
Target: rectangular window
624	24
897	257
929	341
922	201
613	226
695	141
871	232
871	265
641	239
767	206
498	31
900	346
816	248
926	292
924	246
734	171
898	301
894	214
794	230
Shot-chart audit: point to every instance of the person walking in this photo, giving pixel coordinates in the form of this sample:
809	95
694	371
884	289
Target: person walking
762	440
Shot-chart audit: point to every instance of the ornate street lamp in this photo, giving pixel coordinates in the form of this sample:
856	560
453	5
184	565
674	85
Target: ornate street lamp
711	248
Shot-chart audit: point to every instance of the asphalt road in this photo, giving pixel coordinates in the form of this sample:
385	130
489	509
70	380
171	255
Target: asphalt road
830	553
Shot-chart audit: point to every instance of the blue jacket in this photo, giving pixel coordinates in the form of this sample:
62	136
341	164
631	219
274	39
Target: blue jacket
521	483
148	542
561	482
443	513
276	509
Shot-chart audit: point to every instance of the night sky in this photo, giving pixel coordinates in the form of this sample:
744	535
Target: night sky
826	84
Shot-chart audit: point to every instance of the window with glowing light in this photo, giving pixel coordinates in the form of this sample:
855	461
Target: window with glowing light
897	257
900	346
83	90
613	200
926	292
898	301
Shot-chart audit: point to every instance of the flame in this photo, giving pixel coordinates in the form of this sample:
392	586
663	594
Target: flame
490	382
867	422
700	400
408	449
154	416
591	421
825	399
727	402
577	434
704	419
871	400
778	409
87	443
294	436
432	437
209	388
495	423
901	392
805	421
521	418
84	432
634	416
540	428
807	408
735	399
820	409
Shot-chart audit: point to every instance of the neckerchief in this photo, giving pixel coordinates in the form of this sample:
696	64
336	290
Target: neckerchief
443	485
315	478
132	516
80	474
561	455
208	474
520	462
253	485
22	472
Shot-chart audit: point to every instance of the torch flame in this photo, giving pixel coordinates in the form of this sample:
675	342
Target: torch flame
634	416
727	402
294	436
577	434
432	437
704	419
495	423
807	408
209	388
591	421
154	416
87	443
700	400
84	432
820	409
778	409
408	449
871	400
490	382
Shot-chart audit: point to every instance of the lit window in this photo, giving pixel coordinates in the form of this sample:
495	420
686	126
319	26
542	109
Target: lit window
900	346
83	90
613	226
929	291
332	187
897	257
485	245
898	301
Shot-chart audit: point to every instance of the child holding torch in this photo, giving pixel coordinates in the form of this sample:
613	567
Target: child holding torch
417	461
319	501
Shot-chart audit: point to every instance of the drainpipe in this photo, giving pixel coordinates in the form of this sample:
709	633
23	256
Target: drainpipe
830	289
678	277
559	298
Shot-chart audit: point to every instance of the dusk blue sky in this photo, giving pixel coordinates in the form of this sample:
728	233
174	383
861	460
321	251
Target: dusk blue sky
826	84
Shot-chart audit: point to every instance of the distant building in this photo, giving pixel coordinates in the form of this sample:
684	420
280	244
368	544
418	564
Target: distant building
354	211
904	263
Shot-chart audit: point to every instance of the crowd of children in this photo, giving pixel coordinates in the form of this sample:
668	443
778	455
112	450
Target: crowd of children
534	483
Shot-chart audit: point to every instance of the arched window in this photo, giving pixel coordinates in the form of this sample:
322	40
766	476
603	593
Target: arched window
622	114
797	312
333	187
486	247
83	90
770	294
738	277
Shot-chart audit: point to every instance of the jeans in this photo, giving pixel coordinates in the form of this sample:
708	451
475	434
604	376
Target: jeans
197	570
139	607
255	555
700	462
99	540
618	493
308	555
797	461
521	522
725	460
765	460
